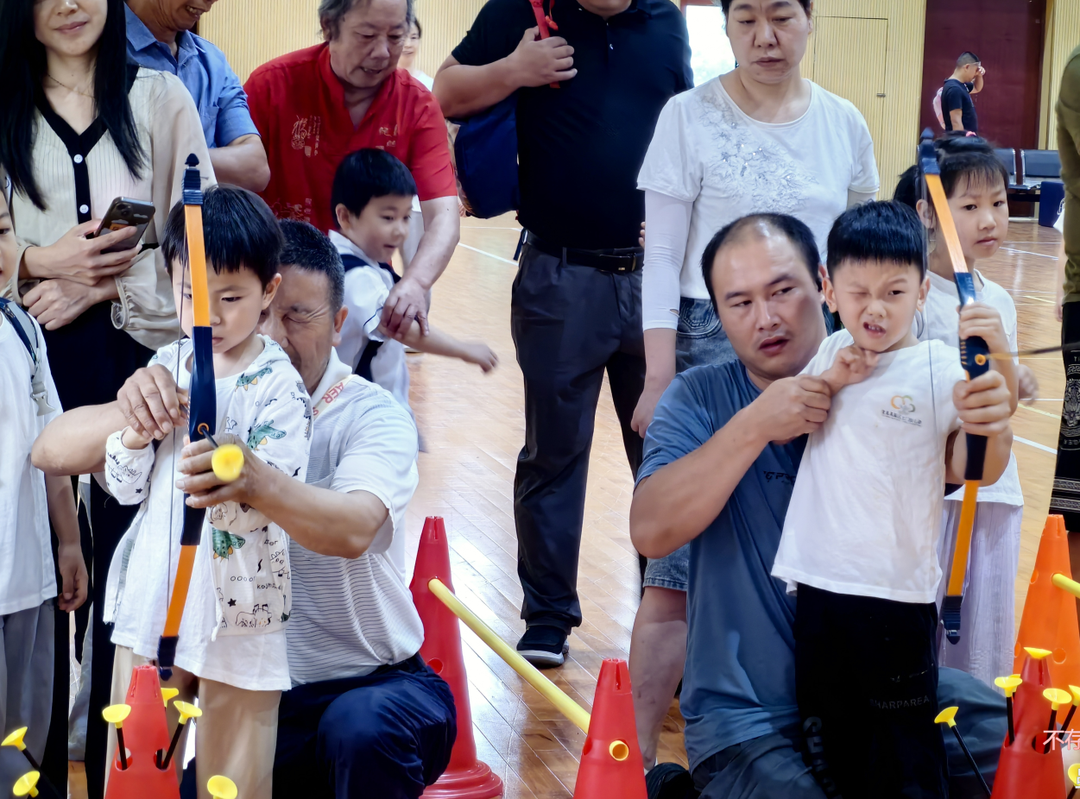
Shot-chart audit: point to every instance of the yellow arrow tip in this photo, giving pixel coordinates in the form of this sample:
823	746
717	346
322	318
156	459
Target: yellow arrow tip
1038	654
1074	773
115	714
946	716
221	787
186	711
227	462
1056	697
16	739
27	784
168	694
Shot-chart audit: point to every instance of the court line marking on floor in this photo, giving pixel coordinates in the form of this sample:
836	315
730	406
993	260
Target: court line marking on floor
488	254
1035	444
1029	252
1036	410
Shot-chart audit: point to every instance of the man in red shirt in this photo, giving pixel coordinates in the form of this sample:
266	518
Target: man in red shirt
315	106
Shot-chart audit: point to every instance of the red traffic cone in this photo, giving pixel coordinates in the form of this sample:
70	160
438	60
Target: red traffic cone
146	732
611	763
465	777
1024	770
1049	619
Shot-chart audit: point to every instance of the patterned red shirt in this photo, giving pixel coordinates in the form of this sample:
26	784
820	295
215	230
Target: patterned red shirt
298	105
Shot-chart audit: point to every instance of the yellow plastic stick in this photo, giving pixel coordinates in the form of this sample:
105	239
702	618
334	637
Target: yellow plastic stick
551	692
1065	584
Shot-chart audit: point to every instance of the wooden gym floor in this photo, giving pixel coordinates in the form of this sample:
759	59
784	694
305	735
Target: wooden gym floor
473	427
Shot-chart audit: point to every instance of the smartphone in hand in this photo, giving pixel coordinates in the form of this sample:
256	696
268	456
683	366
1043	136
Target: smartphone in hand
125	213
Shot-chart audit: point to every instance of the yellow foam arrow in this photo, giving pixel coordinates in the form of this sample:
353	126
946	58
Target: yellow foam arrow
1057	697
16	739
227	462
115	714
221	787
186	711
947	716
27	784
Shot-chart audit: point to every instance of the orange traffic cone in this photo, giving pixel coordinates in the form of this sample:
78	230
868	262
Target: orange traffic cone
465	777
1025	770
611	763
1049	620
146	732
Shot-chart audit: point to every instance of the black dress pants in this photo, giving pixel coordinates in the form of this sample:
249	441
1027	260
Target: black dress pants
571	324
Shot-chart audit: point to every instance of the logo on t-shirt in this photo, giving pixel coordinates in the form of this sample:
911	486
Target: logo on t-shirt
305	135
902	408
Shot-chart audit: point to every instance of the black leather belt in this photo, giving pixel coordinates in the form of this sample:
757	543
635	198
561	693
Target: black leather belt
629	259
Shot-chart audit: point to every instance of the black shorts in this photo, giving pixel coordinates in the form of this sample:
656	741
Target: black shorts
866	682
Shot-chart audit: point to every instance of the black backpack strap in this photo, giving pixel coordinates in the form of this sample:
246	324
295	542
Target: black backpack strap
27	333
363	368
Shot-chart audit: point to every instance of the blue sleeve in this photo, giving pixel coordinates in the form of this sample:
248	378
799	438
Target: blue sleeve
234	118
681	424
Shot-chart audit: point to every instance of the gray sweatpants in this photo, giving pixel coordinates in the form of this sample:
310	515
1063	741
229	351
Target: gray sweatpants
26	686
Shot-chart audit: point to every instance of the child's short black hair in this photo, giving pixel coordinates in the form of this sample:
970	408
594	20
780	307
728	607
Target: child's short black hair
239	231
800	236
309	249
877	231
963	160
367	174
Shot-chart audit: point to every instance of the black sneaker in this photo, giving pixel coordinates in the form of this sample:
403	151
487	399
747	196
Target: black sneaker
544	646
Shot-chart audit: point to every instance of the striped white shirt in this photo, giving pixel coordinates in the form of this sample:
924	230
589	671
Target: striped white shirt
350	616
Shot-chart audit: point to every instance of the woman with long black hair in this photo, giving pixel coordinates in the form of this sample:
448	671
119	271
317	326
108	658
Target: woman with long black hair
81	127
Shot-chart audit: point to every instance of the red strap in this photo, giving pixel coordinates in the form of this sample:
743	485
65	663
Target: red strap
544	22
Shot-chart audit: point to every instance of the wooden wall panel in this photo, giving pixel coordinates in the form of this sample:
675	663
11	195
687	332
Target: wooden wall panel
445	24
1063	35
895	123
252	32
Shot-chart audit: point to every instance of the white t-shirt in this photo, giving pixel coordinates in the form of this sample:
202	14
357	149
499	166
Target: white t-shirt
352	616
707	151
366	290
865	513
940	321
233	630
27	574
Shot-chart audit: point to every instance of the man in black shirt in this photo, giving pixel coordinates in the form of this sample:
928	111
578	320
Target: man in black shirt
576	305
956	106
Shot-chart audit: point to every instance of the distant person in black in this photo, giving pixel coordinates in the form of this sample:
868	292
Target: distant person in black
957	107
576	303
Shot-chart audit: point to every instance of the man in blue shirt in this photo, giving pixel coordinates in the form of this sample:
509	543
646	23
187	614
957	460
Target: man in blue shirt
159	37
720	461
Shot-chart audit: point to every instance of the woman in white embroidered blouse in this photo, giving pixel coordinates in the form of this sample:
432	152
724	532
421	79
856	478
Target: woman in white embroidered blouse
757	139
80	128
